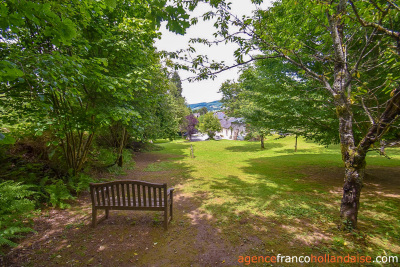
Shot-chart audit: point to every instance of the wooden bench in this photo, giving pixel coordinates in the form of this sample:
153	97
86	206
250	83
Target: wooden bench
130	195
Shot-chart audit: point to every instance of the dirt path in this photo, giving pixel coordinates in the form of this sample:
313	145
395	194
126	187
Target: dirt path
65	238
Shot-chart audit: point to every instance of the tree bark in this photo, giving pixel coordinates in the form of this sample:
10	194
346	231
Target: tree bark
354	158
120	160
354	161
353	183
262	141
354	168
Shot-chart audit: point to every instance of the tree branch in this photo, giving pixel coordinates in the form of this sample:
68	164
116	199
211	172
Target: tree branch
377	130
372	24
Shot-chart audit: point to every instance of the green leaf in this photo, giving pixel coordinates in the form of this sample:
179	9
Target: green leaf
9	71
111	3
6	139
104	61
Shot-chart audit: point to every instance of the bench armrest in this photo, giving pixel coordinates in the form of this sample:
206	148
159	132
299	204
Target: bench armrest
169	191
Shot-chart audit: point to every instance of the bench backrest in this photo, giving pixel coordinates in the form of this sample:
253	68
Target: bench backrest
128	193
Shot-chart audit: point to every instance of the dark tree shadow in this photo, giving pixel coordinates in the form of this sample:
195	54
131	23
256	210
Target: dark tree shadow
252	147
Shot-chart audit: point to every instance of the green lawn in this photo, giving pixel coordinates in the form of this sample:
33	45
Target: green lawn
288	202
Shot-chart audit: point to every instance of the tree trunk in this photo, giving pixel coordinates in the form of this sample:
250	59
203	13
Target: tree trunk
120	160
295	145
353	183
354	162
262	141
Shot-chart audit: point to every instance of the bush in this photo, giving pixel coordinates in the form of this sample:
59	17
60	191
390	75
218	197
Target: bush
104	159
15	208
59	194
79	183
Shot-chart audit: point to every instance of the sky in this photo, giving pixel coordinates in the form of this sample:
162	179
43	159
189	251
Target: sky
206	90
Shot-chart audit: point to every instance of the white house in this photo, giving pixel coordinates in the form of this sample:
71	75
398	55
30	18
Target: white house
232	128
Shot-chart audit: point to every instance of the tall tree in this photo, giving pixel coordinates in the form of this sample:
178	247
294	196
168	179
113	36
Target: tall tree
191	122
209	124
75	66
176	79
180	106
348	59
202	110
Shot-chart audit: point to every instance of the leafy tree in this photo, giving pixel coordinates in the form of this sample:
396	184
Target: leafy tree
191	122
209	124
202	111
238	102
176	79
231	97
346	56
74	68
180	107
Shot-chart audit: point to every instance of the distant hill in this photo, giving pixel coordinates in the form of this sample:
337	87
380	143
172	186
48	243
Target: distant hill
211	106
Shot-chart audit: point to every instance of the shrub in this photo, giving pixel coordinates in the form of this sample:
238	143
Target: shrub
105	159
59	193
15	208
79	183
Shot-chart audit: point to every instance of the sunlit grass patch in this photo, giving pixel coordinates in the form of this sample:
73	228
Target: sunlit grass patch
292	196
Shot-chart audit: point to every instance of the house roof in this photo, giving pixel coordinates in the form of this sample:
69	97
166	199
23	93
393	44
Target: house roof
220	115
227	122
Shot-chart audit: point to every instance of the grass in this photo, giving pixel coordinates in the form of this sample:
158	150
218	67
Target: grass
290	201
160	166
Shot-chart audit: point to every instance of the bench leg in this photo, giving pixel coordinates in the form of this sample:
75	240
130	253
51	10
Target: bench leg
171	214
107	213
94	217
166	218
171	205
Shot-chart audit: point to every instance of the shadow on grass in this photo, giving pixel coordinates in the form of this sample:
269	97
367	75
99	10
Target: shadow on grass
176	150
271	215
299	150
274	209
279	202
252	147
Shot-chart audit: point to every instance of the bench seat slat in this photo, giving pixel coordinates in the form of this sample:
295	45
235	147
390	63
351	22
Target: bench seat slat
98	195
123	194
139	195
118	195
159	195
113	194
108	203
144	195
103	199
129	193
154	196
108	194
149	199
129	203
134	194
